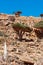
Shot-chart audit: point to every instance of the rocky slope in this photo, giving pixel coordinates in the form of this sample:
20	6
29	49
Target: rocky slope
18	52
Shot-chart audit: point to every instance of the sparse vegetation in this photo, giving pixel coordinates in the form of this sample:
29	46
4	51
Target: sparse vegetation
39	25
29	49
21	29
41	15
18	13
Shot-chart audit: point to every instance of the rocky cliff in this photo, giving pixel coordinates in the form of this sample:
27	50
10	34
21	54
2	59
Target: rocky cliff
30	49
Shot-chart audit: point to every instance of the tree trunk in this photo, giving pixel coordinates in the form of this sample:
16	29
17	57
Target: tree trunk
20	35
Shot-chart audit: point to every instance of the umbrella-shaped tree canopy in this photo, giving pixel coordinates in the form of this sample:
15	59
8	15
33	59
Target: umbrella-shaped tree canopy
39	29
18	13
41	15
39	25
21	29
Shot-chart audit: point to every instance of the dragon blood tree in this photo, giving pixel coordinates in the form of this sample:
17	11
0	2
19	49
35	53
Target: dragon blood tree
41	15
17	14
39	29
21	29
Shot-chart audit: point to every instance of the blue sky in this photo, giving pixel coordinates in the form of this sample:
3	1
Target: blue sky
28	7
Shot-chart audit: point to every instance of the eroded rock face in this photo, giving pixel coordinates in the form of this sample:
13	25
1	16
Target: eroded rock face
11	18
17	50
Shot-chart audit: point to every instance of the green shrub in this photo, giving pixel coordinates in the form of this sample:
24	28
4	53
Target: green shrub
39	25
